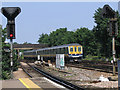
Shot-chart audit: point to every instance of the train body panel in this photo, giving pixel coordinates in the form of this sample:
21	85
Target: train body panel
73	51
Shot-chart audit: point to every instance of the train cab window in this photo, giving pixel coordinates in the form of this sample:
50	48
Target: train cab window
75	49
79	49
71	49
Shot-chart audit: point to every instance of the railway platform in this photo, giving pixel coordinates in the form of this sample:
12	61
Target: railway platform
22	81
29	84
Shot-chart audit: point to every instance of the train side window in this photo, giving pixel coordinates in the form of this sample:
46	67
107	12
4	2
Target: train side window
39	52
62	50
59	51
53	51
79	49
45	52
48	51
75	49
66	50
71	49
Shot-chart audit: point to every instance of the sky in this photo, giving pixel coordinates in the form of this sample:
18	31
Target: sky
44	17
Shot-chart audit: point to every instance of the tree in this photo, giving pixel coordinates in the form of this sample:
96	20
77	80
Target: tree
26	43
44	38
102	37
118	37
5	62
59	37
85	37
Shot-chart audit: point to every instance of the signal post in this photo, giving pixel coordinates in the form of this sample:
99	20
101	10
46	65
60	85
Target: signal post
108	12
113	32
10	13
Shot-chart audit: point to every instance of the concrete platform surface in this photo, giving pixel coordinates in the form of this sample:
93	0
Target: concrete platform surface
15	83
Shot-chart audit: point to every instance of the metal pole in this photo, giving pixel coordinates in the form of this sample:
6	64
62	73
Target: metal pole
11	57
113	41
118	63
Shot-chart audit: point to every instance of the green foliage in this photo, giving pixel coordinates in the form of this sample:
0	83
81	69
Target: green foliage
102	38
24	43
5	63
5	75
90	57
59	37
95	42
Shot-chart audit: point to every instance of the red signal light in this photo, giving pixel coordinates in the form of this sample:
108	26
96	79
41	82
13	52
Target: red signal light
11	35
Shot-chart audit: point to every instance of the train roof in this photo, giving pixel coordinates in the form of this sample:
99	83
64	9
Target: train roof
61	46
54	47
30	51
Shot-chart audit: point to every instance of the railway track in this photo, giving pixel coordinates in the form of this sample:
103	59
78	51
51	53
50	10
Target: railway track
30	71
97	67
40	72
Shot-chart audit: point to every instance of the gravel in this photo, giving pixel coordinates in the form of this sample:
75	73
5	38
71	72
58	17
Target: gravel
83	77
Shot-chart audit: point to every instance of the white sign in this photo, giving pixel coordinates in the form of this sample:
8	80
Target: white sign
60	61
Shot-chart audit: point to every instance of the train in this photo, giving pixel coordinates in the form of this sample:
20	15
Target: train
72	52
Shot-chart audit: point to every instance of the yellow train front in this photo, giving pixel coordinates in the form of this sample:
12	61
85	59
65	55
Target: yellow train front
72	52
75	52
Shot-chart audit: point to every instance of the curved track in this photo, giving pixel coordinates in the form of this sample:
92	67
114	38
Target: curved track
53	78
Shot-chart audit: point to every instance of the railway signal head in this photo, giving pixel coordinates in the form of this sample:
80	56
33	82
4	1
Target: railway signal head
108	12
10	13
113	28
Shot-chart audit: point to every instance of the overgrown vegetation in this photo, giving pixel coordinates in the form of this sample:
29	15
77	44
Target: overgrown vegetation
5	62
96	42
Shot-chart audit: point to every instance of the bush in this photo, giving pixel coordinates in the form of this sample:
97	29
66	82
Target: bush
5	63
90	57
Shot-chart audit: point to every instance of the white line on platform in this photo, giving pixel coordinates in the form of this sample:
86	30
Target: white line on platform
58	85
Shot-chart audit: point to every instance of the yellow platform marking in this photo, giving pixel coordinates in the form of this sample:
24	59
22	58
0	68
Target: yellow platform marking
29	84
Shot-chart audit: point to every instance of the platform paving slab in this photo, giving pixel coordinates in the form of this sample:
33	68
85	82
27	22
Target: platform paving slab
12	84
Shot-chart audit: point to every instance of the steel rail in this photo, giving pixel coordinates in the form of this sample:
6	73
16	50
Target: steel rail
26	71
92	68
57	80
